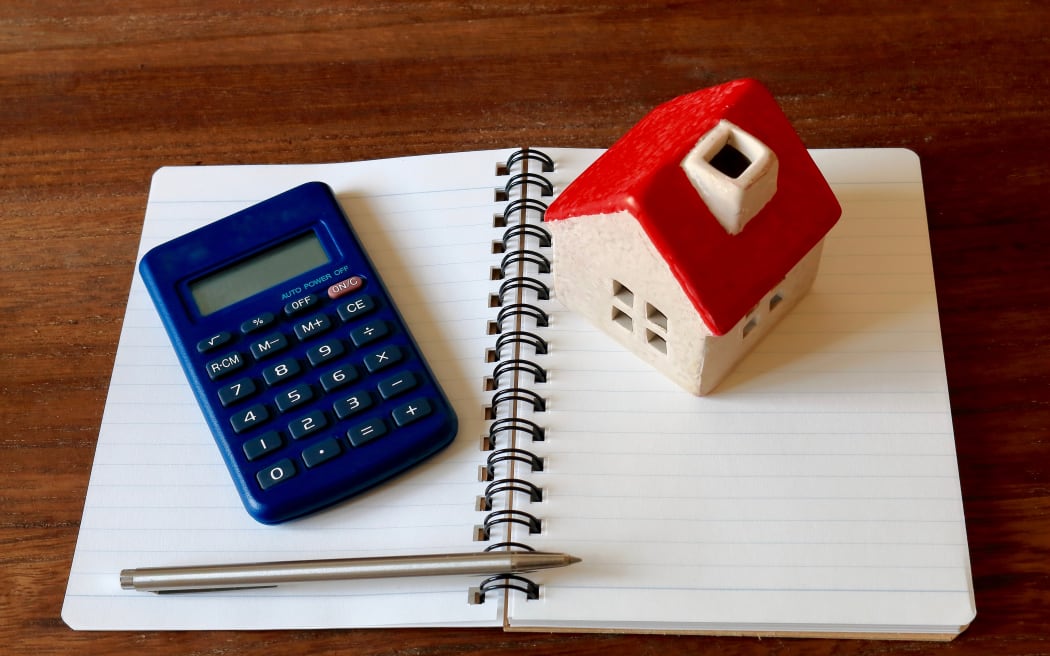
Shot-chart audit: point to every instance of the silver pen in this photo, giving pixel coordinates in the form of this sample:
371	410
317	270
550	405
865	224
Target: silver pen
203	578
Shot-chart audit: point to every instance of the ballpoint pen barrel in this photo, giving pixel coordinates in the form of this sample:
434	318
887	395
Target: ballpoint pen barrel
252	575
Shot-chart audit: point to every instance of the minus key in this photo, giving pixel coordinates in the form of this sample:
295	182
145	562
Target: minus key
398	384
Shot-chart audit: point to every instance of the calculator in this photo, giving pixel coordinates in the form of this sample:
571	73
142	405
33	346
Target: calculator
308	378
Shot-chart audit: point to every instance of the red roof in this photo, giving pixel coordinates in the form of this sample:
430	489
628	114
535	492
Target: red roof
723	275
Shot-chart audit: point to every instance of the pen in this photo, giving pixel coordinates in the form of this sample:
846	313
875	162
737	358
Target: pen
203	578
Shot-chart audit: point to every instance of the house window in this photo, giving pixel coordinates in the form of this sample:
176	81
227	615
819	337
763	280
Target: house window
624	295
656	341
755	314
655	316
752	322
734	173
623	306
775	300
623	319
639	317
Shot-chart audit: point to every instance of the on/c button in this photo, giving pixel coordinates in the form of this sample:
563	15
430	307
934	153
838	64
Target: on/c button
279	472
344	287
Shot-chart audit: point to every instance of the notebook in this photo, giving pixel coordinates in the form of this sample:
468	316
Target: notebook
816	492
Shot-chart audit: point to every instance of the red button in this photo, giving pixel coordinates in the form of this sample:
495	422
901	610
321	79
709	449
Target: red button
344	287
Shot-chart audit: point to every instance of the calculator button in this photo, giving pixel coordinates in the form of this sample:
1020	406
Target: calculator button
301	304
382	359
321	452
269	345
398	384
344	287
366	432
223	365
337	378
411	411
276	473
249	417
257	447
307	425
257	322
213	342
369	333
356	307
315	325
351	405
236	391
282	370
324	352
294	397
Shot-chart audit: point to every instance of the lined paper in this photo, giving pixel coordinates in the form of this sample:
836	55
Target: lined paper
816	491
159	494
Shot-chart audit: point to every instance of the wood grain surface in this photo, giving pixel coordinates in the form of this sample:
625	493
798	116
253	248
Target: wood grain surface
94	96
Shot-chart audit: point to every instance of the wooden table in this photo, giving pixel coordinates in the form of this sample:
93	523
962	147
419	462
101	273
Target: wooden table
95	96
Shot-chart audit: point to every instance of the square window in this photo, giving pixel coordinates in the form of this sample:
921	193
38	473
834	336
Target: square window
623	319
775	300
750	325
656	341
655	316
623	294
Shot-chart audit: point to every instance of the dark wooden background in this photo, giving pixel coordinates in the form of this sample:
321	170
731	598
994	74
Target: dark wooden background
94	96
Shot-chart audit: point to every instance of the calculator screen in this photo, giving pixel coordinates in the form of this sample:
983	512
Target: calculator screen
254	274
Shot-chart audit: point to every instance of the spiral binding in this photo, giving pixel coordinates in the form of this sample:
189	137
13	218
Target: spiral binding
517	310
520	337
516	424
545	161
510	463
525	179
506	455
539	374
508	516
506	485
527	229
505	582
516	257
520	283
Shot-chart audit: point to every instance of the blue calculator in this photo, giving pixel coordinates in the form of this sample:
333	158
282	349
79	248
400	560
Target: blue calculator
306	373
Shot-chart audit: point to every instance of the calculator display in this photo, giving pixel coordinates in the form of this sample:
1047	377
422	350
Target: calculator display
251	276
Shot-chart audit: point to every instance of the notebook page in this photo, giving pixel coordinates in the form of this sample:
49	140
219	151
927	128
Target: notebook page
159	494
816	490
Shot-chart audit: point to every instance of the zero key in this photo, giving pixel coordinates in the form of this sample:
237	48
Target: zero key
276	473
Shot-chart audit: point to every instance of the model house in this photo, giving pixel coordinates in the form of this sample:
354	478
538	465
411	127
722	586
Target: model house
695	232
